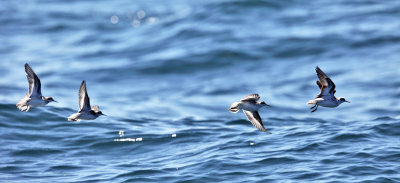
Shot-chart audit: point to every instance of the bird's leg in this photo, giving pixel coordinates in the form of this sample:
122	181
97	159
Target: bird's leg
315	109
313	106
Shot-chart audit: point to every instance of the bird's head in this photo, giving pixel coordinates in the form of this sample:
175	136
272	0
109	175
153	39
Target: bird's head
49	99
264	104
99	113
341	100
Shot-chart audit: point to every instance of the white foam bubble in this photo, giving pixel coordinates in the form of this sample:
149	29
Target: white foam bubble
141	14
114	19
135	23
151	20
121	133
124	140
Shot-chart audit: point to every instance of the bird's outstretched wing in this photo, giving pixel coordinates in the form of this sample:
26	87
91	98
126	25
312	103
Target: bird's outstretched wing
84	101
252	97
33	82
255	119
325	84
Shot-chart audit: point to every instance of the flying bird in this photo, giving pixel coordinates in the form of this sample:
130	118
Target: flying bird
34	96
326	98
250	107
86	112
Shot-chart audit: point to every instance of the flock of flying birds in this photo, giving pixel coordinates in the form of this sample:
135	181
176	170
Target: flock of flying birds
326	98
34	98
249	104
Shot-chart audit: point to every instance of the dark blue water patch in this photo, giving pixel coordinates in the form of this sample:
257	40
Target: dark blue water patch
307	120
238	122
384	118
56	28
393	156
279	160
240	7
388	129
142	179
10	169
192	121
36	152
308	176
8	107
316	146
349	137
377	41
94	178
333	160
390	172
198	34
360	170
198	63
286	52
383	179
65	168
140	173
363	155
67	16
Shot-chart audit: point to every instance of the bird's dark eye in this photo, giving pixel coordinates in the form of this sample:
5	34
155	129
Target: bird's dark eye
342	99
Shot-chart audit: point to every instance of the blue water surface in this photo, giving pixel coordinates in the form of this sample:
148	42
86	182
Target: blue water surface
159	68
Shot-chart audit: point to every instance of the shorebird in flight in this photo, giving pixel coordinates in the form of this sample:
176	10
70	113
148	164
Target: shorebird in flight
326	98
250	107
86	112
34	96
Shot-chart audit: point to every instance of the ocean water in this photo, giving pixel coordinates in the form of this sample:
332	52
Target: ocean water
159	68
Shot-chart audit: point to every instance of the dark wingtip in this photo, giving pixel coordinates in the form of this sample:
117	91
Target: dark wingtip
29	71
27	66
83	83
82	88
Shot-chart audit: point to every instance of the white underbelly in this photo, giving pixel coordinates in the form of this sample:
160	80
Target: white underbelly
250	107
36	103
327	103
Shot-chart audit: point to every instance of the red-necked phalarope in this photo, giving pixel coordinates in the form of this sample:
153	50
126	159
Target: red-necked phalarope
326	97
34	96
250	107
86	112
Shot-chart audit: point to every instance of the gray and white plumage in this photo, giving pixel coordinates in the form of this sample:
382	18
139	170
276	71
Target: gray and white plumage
85	112
34	96
250	107
326	97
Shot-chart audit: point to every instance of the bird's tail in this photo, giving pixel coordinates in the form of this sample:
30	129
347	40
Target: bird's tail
22	106
312	102
73	119
234	108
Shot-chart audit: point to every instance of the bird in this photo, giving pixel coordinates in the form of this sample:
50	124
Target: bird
326	98
86	112
34	96
250	107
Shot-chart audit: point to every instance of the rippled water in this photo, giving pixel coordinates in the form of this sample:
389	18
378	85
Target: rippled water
159	68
